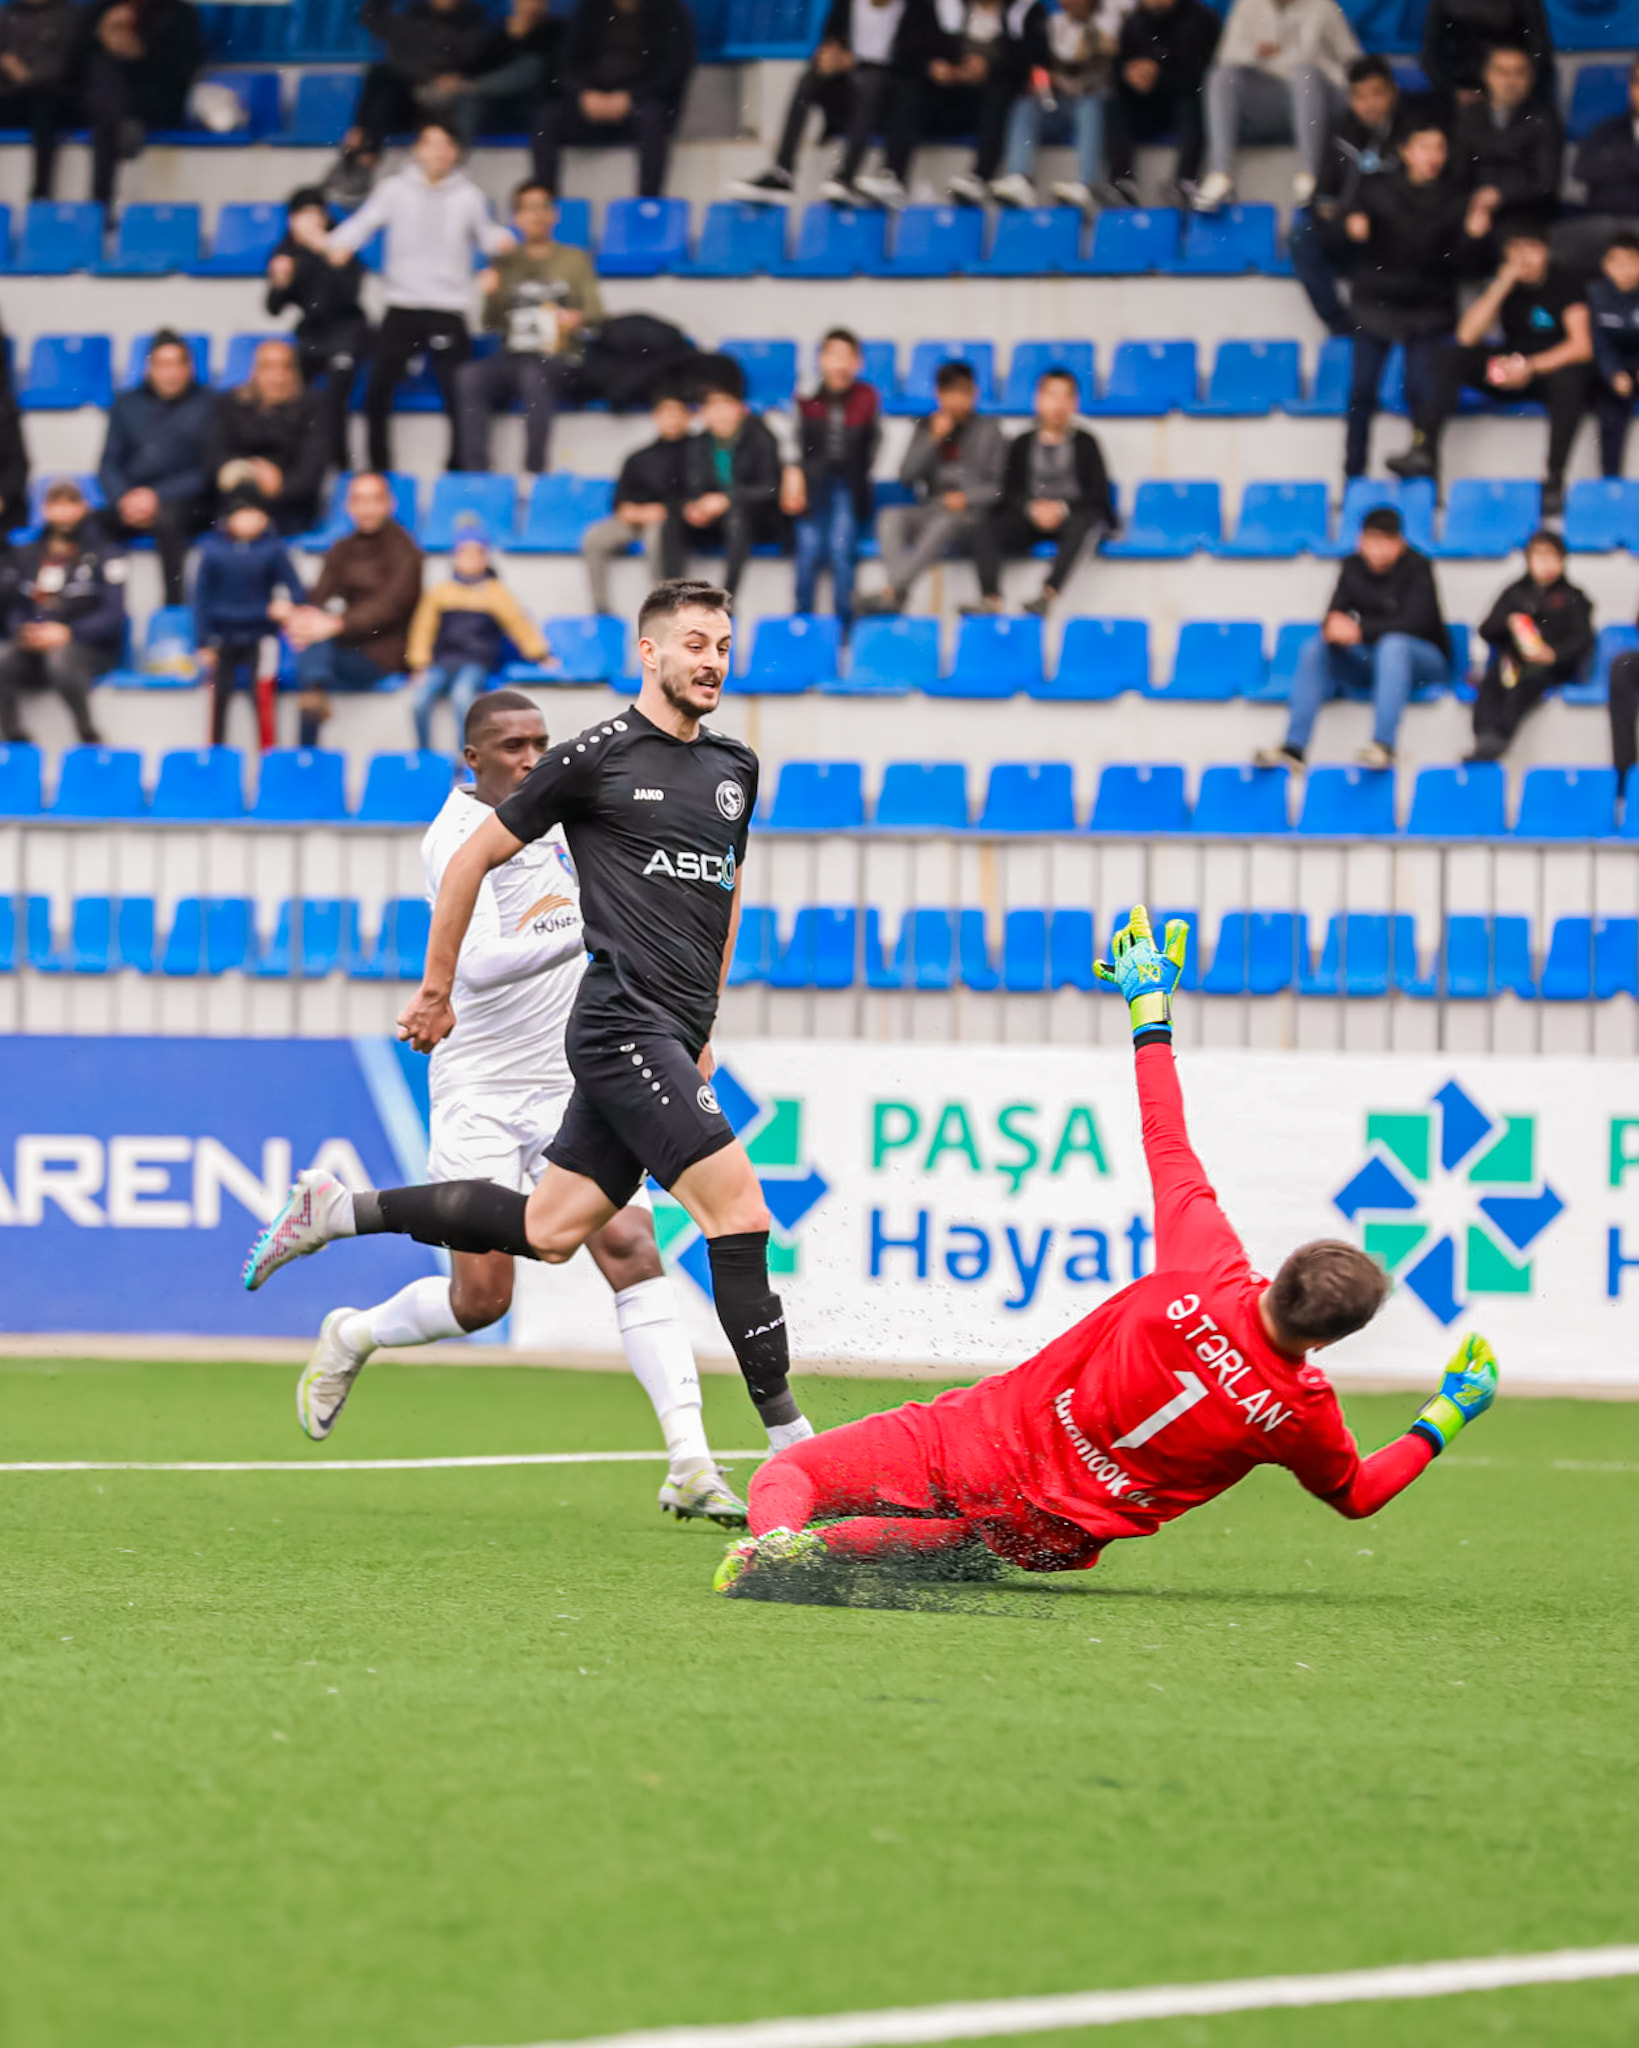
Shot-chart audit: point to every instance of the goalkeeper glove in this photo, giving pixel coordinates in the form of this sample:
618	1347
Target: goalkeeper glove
1468	1389
1145	975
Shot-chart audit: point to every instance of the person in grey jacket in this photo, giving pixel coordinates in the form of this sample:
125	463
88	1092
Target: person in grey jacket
954	464
39	49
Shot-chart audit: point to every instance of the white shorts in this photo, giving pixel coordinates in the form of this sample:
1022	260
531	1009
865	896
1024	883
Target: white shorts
501	1137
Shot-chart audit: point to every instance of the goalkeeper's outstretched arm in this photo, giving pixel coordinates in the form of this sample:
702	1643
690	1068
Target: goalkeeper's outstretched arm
1467	1390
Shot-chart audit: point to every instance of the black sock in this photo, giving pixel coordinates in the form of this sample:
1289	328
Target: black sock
753	1322
307	730
462	1215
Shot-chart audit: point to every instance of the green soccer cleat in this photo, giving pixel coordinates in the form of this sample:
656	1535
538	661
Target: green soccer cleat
703	1496
760	1555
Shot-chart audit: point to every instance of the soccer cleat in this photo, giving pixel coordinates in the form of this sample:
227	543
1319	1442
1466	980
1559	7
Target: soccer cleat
326	1382
703	1496
306	1223
762	1554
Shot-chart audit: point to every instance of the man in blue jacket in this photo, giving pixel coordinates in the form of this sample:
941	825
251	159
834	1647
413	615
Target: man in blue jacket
62	610
153	464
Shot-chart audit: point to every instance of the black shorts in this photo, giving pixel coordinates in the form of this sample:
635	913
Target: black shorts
639	1104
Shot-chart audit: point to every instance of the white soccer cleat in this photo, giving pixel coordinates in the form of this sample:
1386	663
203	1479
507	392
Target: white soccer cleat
322	1390
308	1221
703	1496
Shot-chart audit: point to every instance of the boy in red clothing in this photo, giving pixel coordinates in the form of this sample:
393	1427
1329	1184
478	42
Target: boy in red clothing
1172	1391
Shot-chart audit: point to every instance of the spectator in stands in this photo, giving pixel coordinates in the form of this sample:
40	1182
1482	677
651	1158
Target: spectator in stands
1362	144
430	51
1624	716
1162	57
1606	166
1613	313
152	474
1539	315
1382	635
1055	488
63	616
14	464
351	633
435	218
245	588
1458	36
1279	76
732	484
954	464
540	297
649	495
975	74
514	71
1508	147
827	490
1413	237
1071	56
626	66
271	433
39	54
1539	632
865	80
139	69
332	334
462	631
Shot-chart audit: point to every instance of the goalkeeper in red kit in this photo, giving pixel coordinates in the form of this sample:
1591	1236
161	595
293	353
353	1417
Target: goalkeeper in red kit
1155	1403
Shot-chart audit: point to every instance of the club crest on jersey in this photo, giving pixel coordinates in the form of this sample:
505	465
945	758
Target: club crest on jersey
706	1096
731	800
686	865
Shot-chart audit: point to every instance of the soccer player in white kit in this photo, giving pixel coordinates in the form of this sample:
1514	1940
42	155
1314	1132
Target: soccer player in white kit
499	1085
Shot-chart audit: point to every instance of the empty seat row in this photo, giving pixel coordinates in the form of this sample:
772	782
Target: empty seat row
312	937
296	786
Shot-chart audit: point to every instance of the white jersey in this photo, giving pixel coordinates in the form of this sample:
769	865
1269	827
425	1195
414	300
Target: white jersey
513	990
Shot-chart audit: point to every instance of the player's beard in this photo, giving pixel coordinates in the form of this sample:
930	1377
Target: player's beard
680	680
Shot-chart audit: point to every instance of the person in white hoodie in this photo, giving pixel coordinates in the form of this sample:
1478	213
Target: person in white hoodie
1280	75
435	217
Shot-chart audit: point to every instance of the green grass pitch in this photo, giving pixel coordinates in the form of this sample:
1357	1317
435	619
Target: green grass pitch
438	1758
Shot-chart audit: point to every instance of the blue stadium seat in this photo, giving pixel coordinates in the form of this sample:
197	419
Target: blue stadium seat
1070	952
1615	957
66	371
1567	803
1030	362
923	796
1249	379
644	237
202	782
301	786
791	655
104	936
573	226
404	789
1033	241
996	656
209	935
1602	514
313	937
59	235
1215	659
1488	516
739	241
838	241
917	394
1354	956
244	239
400	951
20	779
560	509
1414	502
1328	394
153	241
335	522
1129	241
818	796
1237	799
322	111
136	358
889	656
1170	520
924	956
1280	520
100	782
1150	378
1290	641
770	369
1600	91
1466	802
936	241
1098	659
170	653
240	354
5	239
1229	243
1591	958
1611	641
474	494
823	950
756	943
1259	953
1485	956
1144	798
974	965
1024	952
1406	969
1348	802
589	649
1030	796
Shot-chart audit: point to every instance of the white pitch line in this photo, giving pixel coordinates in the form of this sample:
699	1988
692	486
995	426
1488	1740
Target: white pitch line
363	1464
984	2019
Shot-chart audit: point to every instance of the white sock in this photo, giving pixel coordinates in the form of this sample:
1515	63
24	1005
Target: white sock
662	1359
781	1435
417	1314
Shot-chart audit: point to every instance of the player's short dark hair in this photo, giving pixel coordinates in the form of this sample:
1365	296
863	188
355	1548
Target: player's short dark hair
1371	67
843	334
443	127
484	710
1383	519
949	374
680	594
1625	240
533	185
1510	50
1058	374
1326	1290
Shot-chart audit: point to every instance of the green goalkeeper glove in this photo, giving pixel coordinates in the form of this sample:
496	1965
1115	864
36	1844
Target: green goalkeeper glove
1146	976
1468	1389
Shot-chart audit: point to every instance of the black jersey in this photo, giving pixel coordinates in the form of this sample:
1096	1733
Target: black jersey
658	829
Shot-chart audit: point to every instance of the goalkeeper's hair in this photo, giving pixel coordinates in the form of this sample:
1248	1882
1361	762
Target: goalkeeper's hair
1326	1290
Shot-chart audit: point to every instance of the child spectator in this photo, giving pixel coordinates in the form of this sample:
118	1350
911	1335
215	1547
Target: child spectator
732	473
460	633
1071	51
1361	145
332	334
1613	311
1539	632
62	611
1161	66
1279	75
828	489
1055	488
649	496
245	587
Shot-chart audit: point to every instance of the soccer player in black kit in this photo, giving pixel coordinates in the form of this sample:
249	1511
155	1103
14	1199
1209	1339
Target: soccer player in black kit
656	809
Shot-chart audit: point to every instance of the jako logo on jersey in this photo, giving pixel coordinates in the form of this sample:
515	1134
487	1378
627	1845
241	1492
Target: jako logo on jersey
648	796
689	866
731	800
706	1096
